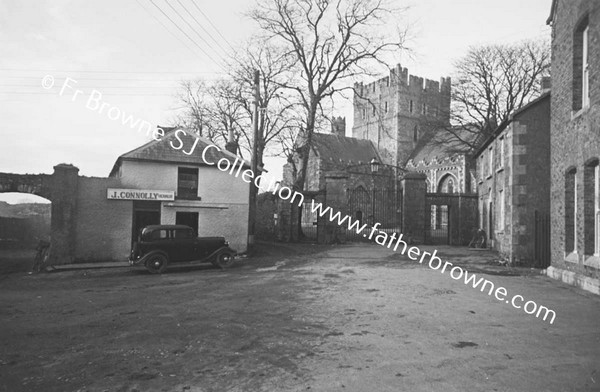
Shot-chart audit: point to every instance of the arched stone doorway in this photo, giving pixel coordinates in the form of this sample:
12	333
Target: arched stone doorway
25	219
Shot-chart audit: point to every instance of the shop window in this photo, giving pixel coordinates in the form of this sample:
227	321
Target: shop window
571	211
187	183
581	91
591	208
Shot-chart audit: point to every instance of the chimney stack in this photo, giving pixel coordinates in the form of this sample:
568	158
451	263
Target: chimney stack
545	84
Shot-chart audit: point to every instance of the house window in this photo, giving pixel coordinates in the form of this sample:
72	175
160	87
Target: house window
501	210
187	183
410	106
435	112
387	82
501	152
386	106
581	91
373	87
571	211
591	208
490	217
424	109
364	113
373	110
490	161
481	168
415	133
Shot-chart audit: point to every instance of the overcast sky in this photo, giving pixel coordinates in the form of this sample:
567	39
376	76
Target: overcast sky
131	52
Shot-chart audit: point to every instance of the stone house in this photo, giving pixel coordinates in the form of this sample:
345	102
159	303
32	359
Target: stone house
513	180
575	143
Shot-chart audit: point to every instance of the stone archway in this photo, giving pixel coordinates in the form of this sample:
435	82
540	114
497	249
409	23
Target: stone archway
61	189
36	184
447	184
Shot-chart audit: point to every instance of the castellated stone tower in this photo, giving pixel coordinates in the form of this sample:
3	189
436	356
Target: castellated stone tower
395	111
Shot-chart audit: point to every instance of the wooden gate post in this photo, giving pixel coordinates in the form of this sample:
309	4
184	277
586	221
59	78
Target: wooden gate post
414	189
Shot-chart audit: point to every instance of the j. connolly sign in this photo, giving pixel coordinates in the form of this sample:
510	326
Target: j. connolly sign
139	194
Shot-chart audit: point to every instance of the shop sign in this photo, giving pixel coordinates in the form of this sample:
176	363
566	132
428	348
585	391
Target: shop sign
139	194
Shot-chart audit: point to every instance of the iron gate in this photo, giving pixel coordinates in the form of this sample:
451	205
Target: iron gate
367	207
310	222
450	218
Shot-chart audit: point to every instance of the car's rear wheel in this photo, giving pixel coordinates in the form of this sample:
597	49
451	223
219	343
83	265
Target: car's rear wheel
225	259
157	263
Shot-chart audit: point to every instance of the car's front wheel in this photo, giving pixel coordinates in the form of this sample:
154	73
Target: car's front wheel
225	259
157	263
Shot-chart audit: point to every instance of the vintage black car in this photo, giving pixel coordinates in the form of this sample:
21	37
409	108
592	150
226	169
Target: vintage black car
161	245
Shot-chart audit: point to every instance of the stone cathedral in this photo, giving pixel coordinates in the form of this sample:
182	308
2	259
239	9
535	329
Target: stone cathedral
404	116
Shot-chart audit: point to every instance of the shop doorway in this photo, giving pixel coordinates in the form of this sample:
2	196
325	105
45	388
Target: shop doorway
144	213
189	219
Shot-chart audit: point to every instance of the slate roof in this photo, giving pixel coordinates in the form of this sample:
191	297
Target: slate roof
441	144
482	146
162	151
349	149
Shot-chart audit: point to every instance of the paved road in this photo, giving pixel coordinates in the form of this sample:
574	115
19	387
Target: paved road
349	318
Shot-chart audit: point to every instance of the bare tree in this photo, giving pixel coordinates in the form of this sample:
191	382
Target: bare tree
219	109
212	110
490	83
331	43
276	109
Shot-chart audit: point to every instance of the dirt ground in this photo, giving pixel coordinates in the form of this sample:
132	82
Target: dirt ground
296	318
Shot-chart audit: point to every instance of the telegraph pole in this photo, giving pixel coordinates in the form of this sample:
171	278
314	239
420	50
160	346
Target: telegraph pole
253	191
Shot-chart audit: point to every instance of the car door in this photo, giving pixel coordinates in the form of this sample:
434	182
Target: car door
183	245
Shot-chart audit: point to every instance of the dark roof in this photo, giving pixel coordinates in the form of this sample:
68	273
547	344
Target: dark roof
441	144
347	149
517	112
162	151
